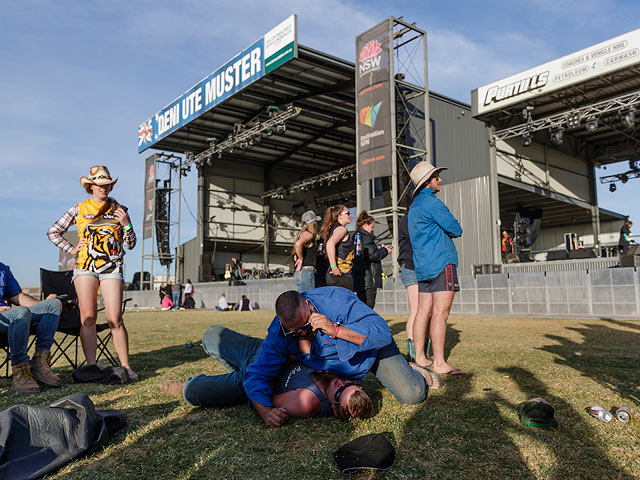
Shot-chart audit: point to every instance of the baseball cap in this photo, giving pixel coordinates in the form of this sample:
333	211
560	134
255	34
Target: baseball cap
372	451
537	412
309	217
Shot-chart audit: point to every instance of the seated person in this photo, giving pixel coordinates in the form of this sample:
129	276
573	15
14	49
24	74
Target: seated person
244	304
304	393
167	304
16	323
223	305
189	303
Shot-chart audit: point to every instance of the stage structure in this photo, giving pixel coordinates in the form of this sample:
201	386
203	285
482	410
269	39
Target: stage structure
159	221
549	129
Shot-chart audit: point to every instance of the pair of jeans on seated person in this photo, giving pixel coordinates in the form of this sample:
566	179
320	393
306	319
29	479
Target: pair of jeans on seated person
236	351
16	324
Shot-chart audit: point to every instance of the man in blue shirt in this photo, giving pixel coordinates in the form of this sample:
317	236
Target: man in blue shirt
326	329
431	229
16	323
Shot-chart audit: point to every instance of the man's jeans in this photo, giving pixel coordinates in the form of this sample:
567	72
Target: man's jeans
305	279
236	351
233	350
17	322
176	298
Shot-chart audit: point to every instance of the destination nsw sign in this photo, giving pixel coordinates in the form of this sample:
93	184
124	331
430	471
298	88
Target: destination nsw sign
265	55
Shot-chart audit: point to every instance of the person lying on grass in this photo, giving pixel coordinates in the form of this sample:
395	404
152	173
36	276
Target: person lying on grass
326	328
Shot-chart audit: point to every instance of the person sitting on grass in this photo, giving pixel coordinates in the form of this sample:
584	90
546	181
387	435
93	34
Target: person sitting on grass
244	304
16	322
326	329
167	304
223	305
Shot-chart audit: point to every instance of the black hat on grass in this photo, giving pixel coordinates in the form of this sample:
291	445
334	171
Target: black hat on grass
537	412
371	451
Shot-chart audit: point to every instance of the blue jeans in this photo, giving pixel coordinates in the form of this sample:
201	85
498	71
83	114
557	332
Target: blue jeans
233	350
16	323
305	279
236	351
176	299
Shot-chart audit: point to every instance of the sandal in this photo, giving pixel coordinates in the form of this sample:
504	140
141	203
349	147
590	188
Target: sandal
432	379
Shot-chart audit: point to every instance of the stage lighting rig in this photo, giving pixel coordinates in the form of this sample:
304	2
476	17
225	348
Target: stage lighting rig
556	135
573	119
526	139
306	184
627	118
592	124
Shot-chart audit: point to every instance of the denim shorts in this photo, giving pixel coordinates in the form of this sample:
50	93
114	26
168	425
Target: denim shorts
408	277
77	272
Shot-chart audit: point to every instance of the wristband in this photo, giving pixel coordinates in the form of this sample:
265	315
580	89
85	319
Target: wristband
334	266
335	332
127	228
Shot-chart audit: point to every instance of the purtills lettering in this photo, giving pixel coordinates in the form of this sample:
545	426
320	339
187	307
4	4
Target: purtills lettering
498	93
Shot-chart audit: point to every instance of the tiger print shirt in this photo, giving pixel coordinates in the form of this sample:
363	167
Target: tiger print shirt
105	237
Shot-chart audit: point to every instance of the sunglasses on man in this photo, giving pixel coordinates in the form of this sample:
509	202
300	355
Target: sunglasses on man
339	391
296	333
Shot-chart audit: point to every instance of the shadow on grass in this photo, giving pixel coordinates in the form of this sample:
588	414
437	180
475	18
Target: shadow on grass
607	355
148	363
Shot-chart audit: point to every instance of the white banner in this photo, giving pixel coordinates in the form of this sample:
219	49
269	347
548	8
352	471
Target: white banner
595	61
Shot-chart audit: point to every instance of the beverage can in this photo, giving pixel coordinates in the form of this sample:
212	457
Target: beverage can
600	413
358	240
624	413
320	249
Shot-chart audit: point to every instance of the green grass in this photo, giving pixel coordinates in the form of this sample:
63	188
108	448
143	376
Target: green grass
469	429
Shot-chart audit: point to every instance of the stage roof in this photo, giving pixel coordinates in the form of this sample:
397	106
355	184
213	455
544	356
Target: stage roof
320	139
595	82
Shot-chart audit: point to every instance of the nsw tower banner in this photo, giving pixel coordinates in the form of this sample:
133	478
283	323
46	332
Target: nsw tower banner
373	97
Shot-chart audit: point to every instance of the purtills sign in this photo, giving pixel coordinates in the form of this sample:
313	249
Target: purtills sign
373	97
596	61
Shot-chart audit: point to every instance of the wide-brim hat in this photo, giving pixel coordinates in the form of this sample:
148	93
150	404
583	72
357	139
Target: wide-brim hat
98	175
422	172
537	412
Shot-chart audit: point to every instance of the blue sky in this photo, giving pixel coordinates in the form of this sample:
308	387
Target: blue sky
79	77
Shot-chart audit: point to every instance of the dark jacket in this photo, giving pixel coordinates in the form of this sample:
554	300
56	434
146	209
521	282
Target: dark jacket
367	269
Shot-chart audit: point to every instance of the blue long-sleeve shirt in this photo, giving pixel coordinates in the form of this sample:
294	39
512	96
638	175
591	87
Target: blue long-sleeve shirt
431	228
343	358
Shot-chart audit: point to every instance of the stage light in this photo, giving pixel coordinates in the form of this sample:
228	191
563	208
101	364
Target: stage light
612	187
627	118
573	120
281	128
526	139
231	150
556	135
623	178
592	124
269	132
219	154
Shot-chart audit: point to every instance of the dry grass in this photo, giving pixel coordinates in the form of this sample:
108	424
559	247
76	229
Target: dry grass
469	429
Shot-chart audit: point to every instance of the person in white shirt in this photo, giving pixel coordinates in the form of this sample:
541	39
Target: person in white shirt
223	305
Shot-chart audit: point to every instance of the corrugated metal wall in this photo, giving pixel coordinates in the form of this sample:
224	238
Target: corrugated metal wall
469	202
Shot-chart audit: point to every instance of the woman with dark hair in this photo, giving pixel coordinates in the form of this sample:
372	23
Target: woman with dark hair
104	228
367	269
339	246
409	280
304	252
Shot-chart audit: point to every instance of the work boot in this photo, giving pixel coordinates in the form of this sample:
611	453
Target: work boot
41	370
23	382
172	388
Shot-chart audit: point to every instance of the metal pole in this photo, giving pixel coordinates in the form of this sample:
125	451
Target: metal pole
177	267
394	156
494	199
144	209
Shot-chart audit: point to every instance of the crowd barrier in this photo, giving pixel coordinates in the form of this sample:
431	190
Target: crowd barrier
610	293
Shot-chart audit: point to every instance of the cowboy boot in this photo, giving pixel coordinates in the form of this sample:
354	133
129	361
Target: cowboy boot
23	382
41	370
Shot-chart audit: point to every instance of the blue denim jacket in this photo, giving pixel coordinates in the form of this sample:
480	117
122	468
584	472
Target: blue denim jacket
336	356
431	228
9	286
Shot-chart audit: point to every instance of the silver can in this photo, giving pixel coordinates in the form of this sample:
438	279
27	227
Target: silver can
600	413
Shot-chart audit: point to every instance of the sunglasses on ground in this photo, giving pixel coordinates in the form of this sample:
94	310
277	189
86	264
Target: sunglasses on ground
339	391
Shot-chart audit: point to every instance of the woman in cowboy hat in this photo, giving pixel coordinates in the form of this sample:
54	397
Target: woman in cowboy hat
103	228
304	252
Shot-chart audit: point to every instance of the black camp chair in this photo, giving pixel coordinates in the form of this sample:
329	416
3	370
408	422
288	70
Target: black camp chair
4	348
60	283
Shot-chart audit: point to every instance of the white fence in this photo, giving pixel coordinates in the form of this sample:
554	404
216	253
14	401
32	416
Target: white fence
613	292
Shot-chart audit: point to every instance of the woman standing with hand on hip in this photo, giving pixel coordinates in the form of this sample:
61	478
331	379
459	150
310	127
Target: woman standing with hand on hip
339	246
104	228
304	253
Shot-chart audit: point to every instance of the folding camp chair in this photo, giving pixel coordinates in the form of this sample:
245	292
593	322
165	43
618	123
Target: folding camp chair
4	347
60	283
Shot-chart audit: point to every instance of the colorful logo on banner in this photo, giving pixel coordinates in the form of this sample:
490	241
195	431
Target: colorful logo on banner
370	57
369	114
145	130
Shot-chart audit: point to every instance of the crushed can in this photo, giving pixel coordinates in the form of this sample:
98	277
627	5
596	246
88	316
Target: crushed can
624	413
600	413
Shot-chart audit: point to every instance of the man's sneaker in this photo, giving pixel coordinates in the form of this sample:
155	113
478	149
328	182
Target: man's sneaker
41	370
172	388
23	382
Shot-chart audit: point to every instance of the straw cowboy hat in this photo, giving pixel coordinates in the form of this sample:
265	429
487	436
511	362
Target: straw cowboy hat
422	172
98	175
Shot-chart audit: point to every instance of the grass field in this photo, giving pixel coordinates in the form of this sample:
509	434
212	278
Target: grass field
469	429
